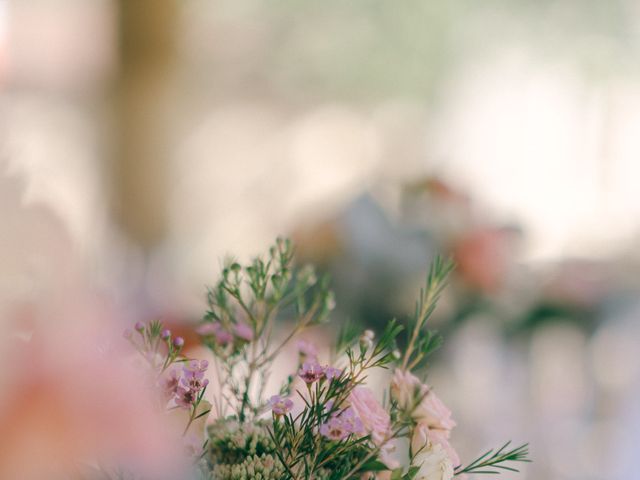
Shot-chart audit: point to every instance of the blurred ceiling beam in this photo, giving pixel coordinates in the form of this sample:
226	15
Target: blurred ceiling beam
148	32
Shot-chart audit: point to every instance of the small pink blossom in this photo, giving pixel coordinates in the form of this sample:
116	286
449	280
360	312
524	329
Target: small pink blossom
185	397
195	384
311	372
195	368
335	429
170	383
193	378
375	419
243	331
353	423
332	372
280	405
339	427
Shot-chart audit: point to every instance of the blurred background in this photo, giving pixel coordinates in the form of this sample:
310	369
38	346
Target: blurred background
142	140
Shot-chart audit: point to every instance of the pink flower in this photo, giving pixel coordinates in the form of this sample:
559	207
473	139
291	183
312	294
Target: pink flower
441	437
337	428
352	422
331	372
185	397
432	416
195	368
405	388
432	412
185	391
311	372
425	440
243	331
195	384
170	383
420	400
307	350
279	405
375	419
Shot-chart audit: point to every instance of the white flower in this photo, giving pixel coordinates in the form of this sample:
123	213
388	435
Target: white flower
434	463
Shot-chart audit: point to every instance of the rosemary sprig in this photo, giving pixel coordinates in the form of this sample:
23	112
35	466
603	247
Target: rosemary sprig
420	344
492	462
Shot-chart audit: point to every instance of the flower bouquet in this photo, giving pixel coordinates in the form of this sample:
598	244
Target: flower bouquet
326	420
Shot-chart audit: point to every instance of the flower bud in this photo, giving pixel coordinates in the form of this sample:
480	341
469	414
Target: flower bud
139	326
366	340
165	334
178	342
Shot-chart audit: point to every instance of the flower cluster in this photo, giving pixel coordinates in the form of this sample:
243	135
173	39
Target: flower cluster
181	382
192	383
325	422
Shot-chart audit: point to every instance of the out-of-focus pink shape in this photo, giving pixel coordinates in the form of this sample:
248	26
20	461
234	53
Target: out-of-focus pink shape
483	257
71	397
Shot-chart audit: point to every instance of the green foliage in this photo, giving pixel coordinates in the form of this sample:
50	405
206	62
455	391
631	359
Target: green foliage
257	295
492	462
421	343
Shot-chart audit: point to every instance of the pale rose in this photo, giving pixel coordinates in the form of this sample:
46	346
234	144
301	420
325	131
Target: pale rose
404	389
434	464
419	439
387	458
374	418
424	438
432	412
441	437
